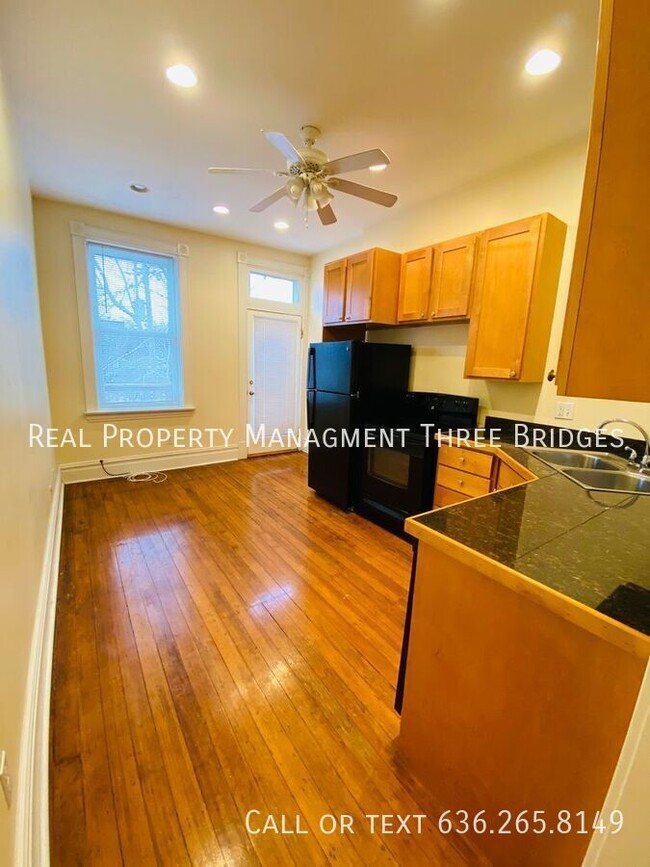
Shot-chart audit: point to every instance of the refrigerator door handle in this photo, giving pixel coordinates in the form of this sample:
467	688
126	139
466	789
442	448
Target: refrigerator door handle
311	400
311	368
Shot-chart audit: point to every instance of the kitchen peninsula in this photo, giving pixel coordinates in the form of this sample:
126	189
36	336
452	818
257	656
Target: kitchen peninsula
517	690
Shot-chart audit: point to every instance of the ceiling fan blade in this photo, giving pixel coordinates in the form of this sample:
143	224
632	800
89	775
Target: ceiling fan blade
223	170
327	215
377	196
269	200
282	143
355	162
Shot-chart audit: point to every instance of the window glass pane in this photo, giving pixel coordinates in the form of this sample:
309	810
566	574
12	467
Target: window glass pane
268	288
136	330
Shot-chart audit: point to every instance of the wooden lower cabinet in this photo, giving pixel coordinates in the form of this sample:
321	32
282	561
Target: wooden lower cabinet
446	497
463	483
466	471
510	704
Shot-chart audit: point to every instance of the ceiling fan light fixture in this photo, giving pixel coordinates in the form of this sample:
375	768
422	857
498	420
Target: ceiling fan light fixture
181	75
294	188
378	168
281	225
221	209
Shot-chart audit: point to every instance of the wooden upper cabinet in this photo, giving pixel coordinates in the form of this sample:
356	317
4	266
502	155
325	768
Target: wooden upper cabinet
415	285
362	289
334	292
605	349
517	273
358	288
453	275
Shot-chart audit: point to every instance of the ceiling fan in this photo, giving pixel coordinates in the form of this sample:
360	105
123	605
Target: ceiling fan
311	176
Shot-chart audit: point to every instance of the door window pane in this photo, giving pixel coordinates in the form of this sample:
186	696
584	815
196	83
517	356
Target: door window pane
265	287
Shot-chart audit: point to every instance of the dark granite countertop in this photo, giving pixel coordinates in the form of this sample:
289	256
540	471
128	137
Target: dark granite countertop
590	546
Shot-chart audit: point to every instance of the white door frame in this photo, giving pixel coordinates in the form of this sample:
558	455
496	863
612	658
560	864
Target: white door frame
246	264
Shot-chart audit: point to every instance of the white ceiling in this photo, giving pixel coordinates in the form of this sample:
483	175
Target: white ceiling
438	84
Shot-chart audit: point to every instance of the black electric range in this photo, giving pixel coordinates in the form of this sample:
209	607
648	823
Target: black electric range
398	467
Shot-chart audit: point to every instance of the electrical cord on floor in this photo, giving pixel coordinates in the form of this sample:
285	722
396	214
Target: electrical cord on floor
156	478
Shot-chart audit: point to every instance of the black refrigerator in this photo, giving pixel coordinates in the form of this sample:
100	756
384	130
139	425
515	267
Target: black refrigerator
348	383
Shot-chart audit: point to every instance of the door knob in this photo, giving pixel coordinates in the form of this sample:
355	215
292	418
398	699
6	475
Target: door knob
512	374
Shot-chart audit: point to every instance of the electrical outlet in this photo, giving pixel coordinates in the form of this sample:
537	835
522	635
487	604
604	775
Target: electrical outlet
564	409
5	779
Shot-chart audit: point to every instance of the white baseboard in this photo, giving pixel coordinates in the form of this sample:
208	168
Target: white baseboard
32	847
90	471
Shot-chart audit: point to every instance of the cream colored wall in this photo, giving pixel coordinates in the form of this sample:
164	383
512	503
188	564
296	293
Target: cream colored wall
25	475
550	182
212	365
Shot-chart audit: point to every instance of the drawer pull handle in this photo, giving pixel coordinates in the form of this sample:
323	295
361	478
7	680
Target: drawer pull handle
462	460
461	483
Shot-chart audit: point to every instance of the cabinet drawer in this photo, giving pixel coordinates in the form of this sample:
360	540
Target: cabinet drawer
461	482
468	460
507	477
446	497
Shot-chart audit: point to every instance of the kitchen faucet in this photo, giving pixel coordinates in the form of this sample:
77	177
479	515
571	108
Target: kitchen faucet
644	464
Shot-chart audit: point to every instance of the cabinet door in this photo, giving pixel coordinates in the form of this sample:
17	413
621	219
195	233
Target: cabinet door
415	282
334	292
604	352
358	287
453	272
505	275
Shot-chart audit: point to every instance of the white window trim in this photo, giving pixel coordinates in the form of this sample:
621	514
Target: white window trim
81	233
276	268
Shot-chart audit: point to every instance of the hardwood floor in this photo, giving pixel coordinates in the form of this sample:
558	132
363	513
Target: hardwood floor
227	641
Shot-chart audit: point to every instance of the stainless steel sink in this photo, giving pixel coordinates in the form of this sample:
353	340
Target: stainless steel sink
583	460
604	480
595	471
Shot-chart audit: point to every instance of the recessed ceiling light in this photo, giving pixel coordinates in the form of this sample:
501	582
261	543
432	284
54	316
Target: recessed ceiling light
221	209
281	225
379	167
181	75
139	188
542	62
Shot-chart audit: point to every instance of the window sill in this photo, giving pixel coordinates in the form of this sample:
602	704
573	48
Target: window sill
114	415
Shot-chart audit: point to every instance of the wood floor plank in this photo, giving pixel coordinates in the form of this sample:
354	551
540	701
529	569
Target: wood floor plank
227	641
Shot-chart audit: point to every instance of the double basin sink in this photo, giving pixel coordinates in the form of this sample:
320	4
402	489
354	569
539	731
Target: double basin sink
595	471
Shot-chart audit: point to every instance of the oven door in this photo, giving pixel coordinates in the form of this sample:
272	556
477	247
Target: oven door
396	480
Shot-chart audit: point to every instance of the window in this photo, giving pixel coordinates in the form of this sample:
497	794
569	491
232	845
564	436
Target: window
266	287
133	307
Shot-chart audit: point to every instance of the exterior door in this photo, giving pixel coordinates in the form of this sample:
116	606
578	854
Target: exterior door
415	281
274	343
